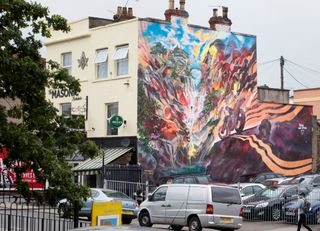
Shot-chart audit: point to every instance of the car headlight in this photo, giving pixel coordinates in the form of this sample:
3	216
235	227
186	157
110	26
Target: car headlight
262	205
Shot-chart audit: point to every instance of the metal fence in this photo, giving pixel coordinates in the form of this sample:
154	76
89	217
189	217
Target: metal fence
18	214
281	208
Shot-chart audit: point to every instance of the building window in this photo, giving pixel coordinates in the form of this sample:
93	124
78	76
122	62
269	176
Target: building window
65	109
112	109
101	61
122	61
67	62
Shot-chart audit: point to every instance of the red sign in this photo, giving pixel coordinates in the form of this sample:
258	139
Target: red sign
8	176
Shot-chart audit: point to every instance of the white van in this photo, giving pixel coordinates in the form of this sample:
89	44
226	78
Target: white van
196	206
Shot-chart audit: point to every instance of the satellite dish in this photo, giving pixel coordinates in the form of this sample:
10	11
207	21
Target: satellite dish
125	142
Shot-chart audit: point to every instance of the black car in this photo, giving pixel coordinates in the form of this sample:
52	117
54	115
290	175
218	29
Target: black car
267	204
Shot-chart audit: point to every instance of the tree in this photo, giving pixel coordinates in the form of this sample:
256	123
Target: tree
43	139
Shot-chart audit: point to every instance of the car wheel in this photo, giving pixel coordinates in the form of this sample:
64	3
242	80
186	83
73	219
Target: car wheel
276	213
176	227
126	221
144	219
194	224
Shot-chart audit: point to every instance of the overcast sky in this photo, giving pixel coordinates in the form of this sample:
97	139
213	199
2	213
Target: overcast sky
283	27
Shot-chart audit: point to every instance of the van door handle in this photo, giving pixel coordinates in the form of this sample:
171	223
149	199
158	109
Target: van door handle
168	206
163	206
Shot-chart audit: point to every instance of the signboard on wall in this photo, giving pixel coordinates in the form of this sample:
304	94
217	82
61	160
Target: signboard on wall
8	176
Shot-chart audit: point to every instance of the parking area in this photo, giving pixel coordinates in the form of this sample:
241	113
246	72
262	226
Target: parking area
247	226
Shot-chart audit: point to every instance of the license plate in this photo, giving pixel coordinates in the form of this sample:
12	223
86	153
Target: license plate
247	210
226	220
290	213
127	212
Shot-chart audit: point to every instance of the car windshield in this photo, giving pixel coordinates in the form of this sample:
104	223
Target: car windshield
115	194
270	192
314	195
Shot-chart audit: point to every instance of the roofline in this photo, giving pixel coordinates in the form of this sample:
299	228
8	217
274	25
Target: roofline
307	89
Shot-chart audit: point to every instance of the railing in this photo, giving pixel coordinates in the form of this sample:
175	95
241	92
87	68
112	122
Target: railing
17	214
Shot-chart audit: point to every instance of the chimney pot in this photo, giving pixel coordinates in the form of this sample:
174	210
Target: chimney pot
130	12
215	12
225	12
171	4
182	4
124	11
119	10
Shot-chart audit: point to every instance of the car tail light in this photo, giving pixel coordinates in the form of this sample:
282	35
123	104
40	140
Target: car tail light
241	212
135	204
209	209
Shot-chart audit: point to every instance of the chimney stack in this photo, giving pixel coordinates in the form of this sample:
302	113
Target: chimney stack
221	23
176	12
123	13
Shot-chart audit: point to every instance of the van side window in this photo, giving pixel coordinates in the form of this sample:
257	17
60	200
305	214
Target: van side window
197	193
160	194
177	193
226	195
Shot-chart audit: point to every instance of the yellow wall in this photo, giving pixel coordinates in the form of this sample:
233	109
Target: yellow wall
100	92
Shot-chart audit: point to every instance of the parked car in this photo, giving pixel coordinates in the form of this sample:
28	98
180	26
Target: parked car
267	204
129	206
248	189
258	178
312	180
276	181
313	217
196	206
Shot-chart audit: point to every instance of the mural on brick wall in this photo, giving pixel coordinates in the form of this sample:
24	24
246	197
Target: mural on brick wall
198	109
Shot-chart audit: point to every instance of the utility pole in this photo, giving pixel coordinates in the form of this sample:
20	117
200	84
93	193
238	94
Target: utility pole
281	72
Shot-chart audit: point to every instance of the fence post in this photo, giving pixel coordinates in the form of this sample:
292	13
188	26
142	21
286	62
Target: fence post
76	215
9	222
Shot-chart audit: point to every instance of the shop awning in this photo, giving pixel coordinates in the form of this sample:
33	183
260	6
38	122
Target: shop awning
93	166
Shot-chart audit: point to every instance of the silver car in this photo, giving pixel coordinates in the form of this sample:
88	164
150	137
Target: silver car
196	206
129	206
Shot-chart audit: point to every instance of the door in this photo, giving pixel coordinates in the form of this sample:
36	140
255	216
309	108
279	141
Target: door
157	206
176	204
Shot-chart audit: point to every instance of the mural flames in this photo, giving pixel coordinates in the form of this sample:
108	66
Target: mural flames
198	107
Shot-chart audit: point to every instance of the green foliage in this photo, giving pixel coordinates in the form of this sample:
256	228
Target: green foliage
43	139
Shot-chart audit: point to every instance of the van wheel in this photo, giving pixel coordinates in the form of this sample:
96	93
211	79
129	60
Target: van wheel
194	224
176	227
144	219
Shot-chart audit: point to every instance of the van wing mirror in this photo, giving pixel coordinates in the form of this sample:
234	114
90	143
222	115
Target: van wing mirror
149	197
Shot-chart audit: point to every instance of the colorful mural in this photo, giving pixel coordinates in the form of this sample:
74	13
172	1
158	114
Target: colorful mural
198	107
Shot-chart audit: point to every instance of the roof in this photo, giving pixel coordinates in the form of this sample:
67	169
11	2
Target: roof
110	155
247	184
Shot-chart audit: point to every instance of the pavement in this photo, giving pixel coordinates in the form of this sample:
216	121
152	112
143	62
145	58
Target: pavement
247	226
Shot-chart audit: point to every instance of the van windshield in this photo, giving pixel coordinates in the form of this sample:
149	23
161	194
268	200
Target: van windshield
225	195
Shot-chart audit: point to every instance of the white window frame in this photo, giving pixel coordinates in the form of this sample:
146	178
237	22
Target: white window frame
121	57
61	108
68	67
100	60
108	116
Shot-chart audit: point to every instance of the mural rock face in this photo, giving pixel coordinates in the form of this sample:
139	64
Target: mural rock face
198	107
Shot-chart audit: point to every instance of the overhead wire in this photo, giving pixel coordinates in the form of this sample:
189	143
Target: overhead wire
268	62
296	78
302	66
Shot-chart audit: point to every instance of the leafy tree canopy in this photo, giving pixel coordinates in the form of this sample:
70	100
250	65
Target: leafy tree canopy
43	139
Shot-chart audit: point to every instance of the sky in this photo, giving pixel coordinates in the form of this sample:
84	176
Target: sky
288	28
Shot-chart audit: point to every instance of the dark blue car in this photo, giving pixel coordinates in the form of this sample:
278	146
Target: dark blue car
313	217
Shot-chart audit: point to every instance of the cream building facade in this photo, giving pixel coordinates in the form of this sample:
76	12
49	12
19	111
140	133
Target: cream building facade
104	60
